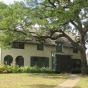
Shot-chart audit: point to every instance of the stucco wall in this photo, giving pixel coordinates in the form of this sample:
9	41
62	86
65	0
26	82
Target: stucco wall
31	50
70	51
28	51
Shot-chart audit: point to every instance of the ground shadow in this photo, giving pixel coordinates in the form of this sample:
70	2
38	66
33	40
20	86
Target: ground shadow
49	75
68	87
38	86
77	87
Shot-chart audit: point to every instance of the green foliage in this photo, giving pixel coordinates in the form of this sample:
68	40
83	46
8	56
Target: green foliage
35	69
2	68
11	16
13	68
76	70
46	70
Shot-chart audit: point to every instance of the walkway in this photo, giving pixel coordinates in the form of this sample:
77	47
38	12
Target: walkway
69	83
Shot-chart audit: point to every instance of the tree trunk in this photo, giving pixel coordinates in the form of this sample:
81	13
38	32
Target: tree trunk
84	63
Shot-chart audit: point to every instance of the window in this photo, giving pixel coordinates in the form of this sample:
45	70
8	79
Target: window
59	47
40	61
8	60
40	46
18	45
20	61
76	63
75	50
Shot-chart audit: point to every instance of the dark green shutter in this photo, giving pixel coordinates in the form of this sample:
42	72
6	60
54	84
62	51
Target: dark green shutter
32	61
47	62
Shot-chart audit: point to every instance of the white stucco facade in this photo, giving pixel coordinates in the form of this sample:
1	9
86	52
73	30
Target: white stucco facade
31	50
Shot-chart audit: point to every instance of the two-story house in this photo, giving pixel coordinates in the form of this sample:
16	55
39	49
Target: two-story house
58	54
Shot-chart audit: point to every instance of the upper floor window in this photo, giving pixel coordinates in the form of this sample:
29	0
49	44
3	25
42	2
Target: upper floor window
59	47
40	46
75	50
18	45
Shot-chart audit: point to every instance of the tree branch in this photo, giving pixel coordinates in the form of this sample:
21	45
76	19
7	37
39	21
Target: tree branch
74	24
63	34
85	31
51	3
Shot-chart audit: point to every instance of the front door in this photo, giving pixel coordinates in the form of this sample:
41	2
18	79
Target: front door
63	63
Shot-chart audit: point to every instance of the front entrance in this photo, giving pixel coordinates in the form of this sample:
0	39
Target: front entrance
63	63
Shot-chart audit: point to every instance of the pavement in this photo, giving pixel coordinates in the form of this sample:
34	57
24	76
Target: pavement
69	83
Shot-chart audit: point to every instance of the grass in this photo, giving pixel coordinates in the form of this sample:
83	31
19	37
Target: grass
31	80
83	83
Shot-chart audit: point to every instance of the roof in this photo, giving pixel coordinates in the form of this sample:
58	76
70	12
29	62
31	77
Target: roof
65	41
62	53
48	41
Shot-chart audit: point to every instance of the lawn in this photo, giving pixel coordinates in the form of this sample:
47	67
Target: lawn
83	83
31	80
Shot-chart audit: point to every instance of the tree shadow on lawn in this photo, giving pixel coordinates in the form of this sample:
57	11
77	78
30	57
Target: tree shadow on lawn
38	86
50	75
68	87
77	87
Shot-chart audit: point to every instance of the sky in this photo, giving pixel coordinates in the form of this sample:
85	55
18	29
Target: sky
9	1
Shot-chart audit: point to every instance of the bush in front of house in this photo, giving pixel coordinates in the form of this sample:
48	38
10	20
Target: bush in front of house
2	68
35	69
76	70
27	69
46	70
13	68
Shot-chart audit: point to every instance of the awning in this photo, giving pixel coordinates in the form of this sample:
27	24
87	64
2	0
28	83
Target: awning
61	53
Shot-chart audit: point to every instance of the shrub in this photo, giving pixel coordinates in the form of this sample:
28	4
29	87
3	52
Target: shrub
46	70
13	68
35	69
2	68
25	69
76	70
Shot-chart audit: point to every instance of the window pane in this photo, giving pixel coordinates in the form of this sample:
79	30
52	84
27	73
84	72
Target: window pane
40	46
75	50
59	47
20	61
18	45
8	60
40	61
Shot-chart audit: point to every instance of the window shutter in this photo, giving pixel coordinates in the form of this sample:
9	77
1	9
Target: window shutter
47	62
32	61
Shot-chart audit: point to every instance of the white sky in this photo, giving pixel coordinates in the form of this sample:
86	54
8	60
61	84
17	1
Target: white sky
9	1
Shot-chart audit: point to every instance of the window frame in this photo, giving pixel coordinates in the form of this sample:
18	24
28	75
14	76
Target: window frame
8	59
40	46
75	50
19	60
18	45
59	46
41	61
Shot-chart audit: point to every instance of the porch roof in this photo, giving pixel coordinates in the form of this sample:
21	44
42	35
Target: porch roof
62	53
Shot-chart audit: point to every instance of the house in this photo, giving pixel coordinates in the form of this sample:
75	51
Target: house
58	54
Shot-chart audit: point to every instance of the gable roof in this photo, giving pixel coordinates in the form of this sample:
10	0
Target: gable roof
48	41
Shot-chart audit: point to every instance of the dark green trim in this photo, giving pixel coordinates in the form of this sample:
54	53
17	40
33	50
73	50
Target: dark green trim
39	61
